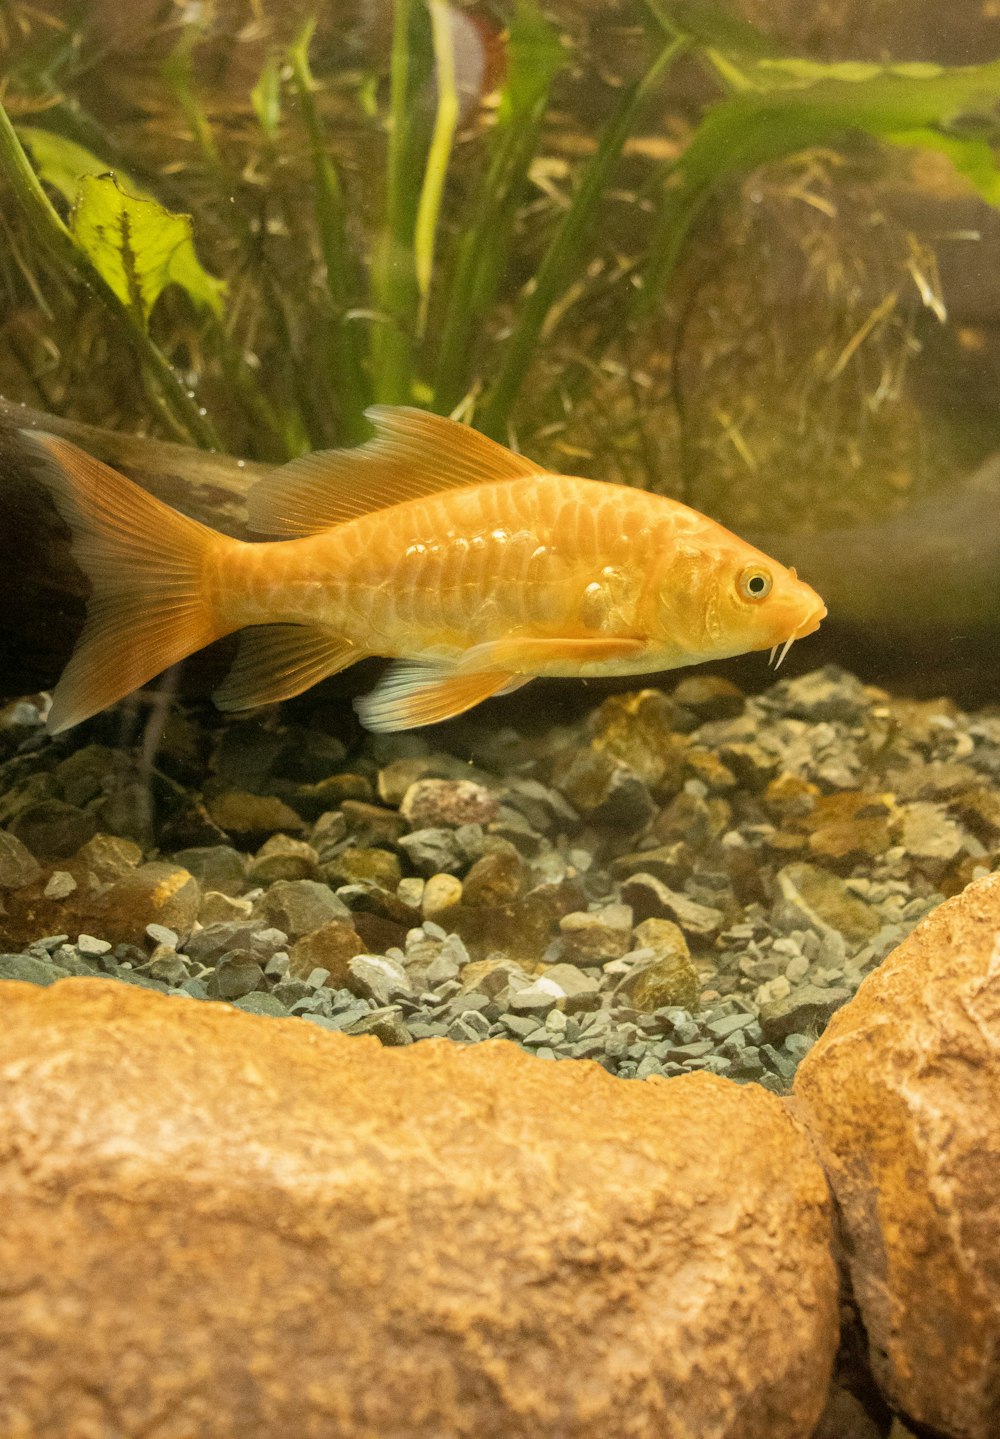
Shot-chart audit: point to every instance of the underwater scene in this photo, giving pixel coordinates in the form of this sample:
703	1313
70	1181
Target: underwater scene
500	541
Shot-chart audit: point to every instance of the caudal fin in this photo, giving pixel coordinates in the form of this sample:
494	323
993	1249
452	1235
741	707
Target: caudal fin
149	607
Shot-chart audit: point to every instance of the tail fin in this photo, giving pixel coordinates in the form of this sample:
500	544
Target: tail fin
149	607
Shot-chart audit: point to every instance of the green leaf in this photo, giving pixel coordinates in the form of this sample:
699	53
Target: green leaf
974	159
62	162
791	105
138	247
266	97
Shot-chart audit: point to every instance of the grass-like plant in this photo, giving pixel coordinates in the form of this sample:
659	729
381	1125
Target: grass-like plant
437	293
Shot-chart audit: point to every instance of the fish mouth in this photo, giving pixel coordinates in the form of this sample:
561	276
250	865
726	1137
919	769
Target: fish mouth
809	626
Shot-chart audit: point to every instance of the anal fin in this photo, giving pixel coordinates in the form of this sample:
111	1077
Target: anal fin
411	695
276	662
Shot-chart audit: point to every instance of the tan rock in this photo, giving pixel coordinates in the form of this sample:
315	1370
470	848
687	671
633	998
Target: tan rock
902	1095
300	1233
331	947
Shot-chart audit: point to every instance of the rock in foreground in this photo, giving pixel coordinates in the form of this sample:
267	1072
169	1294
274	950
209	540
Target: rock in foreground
221	1225
902	1094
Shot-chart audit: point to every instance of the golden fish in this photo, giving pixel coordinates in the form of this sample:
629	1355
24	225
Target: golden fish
429	544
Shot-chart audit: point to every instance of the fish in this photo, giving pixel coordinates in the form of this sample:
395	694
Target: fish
471	567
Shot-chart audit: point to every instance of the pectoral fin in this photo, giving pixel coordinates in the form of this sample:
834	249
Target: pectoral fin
411	695
276	662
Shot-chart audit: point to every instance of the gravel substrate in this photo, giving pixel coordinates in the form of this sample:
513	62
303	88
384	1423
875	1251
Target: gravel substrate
683	880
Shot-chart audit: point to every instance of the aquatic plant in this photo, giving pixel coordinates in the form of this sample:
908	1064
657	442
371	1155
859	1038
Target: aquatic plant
444	289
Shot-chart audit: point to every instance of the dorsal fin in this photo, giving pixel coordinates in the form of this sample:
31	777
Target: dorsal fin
413	453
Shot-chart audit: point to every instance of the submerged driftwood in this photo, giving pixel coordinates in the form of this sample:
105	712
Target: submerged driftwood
913	600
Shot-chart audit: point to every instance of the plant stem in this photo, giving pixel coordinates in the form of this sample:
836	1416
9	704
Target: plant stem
345	363
535	56
393	281
563	253
438	155
54	238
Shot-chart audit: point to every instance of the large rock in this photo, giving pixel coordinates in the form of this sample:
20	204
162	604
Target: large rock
902	1096
300	1233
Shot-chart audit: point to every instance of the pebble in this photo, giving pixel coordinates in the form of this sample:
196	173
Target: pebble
650	898
753	832
60	885
447	803
18	866
596	936
808	1007
298	906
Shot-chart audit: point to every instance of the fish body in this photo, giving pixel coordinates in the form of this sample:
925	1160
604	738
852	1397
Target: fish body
469	565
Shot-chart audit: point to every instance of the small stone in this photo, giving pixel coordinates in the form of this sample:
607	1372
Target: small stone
363	866
234	976
638	729
604	789
812	898
18	866
593	937
490	977
847	843
497	878
333	945
931	838
217	907
752	765
536	999
259	1002
825	694
706	766
385	1023
60	886
29	970
88	944
578	991
160	892
728	1024
282	857
938	780
250	815
787	796
693	819
671	863
166	965
160	934
433	851
650	898
216	867
298	906
442	894
667	979
521	1025
447	803
710	697
806	1008
979	809
410	891
312	800
52	829
370	824
373	976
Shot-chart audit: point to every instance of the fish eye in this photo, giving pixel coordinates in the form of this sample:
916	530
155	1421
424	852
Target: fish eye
754	583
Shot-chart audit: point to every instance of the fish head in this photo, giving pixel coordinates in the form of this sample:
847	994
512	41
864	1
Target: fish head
721	597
